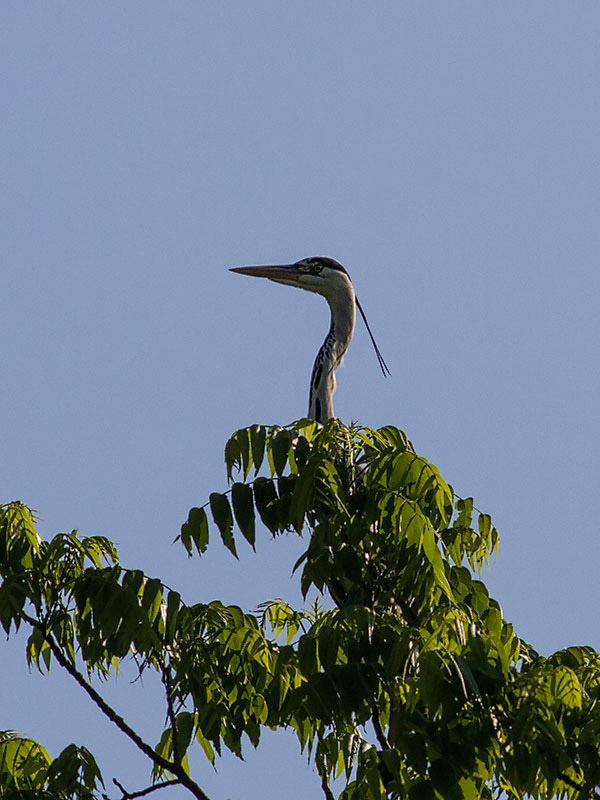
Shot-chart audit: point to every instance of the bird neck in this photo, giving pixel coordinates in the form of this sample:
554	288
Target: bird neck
329	358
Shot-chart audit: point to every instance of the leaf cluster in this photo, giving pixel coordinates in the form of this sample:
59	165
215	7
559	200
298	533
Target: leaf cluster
410	683
27	770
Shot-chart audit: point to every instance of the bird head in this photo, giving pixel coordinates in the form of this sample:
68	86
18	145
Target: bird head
319	274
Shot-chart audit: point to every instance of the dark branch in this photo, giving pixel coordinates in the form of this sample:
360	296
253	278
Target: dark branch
574	785
338	595
379	733
108	711
384	743
171	714
407	612
325	786
142	792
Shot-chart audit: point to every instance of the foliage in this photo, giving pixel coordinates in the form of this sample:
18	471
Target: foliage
26	767
412	686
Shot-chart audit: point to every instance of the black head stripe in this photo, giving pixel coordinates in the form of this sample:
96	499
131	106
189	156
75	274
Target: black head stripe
324	261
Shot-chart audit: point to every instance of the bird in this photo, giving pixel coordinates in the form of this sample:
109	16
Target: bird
327	277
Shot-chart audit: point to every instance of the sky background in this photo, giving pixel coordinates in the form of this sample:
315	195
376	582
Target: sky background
447	154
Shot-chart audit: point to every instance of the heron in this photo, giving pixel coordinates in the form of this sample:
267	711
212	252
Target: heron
327	277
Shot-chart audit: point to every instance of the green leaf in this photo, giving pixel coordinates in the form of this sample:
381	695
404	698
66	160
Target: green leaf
308	658
303	494
233	456
434	557
12	599
205	745
467	675
281	447
221	511
433	684
422	790
265	499
173	605
469	789
195	530
445	780
260	708
152	598
38	647
285	489
523	764
164	748
185	729
243	437
485	525
565	687
66	772
465	512
243	509
23	763
258	437
301	450
414	746
394	436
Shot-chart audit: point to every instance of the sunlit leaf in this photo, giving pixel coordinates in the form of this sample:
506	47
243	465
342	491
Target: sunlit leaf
464	506
206	746
434	556
152	598
412	685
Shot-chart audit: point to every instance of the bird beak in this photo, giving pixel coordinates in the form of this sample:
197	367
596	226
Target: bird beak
278	272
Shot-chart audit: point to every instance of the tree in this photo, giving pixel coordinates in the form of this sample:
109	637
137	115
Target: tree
411	686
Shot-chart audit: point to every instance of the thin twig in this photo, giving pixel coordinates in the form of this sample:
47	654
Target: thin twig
171	715
108	711
142	792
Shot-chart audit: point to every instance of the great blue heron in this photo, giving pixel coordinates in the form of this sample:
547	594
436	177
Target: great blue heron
327	277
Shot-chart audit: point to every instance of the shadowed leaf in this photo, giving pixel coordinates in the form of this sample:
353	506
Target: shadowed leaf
243	509
221	511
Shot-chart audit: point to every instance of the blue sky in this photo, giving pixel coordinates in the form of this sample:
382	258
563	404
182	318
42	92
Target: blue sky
446	154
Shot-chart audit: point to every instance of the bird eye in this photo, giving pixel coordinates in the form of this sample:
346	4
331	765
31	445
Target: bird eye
307	265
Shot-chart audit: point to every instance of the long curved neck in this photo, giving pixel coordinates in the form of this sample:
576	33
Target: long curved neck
329	357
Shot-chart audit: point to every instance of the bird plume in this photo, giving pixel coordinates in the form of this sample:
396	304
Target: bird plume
384	367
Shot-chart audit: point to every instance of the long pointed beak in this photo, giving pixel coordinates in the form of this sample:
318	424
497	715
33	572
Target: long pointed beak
276	272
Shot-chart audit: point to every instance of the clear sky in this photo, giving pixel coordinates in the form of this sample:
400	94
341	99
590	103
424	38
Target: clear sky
446	153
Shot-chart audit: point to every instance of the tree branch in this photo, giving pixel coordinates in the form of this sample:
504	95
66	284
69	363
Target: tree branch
326	790
379	733
108	711
171	714
574	785
338	595
131	795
